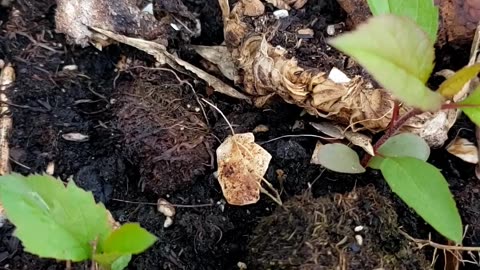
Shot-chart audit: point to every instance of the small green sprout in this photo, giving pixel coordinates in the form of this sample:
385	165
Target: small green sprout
396	46
63	222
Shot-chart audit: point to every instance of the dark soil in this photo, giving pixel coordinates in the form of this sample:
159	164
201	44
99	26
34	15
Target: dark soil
131	153
356	230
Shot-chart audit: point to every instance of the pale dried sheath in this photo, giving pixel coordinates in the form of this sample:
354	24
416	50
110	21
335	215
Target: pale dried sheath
7	77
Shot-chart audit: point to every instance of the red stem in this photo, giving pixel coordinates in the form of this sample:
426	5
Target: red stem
390	132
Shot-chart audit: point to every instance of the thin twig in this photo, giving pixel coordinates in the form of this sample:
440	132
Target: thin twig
221	113
175	205
295	136
424	242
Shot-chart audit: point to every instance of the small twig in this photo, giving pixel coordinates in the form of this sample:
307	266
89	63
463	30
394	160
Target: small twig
423	242
175	205
294	136
221	113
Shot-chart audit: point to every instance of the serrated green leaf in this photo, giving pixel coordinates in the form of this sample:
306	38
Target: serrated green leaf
398	54
339	158
51	220
473	112
130	238
422	187
422	12
454	84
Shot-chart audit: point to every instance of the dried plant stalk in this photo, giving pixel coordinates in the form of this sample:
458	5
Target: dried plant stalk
268	71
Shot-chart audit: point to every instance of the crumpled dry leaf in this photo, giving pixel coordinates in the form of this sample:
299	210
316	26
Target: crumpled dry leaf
253	8
315	155
241	166
220	56
354	103
464	149
74	17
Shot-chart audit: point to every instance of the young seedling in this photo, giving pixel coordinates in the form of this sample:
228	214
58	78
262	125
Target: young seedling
397	48
63	222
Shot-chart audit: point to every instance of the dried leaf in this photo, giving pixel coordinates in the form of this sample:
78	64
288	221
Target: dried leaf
463	149
241	166
315	156
220	56
253	8
329	129
361	140
280	4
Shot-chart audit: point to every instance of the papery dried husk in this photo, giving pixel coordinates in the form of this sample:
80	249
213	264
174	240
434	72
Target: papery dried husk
357	104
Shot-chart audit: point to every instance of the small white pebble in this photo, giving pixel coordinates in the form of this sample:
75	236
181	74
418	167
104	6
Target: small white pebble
358	228
166	208
168	222
281	13
175	27
197	109
50	168
242	265
331	30
359	239
70	68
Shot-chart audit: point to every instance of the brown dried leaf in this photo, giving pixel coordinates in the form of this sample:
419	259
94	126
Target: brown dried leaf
241	166
463	149
280	4
253	8
315	156
220	56
361	140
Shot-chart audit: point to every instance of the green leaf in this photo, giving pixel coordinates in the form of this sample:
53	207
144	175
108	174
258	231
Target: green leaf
51	220
473	112
375	162
122	262
405	145
398	54
422	187
454	84
422	12
112	261
130	238
401	145
339	158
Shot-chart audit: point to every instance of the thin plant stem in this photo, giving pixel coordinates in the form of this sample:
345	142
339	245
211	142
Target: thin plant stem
390	132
